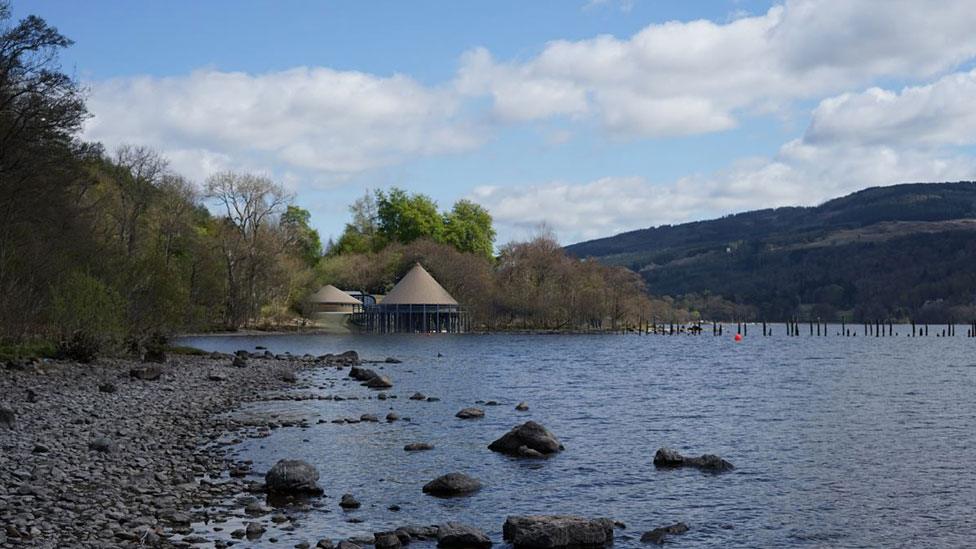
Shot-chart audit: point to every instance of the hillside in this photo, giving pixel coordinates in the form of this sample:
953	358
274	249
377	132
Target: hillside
885	252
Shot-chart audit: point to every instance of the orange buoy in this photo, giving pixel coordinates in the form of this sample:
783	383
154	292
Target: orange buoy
738	337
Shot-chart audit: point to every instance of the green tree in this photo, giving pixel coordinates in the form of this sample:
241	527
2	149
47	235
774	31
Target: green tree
406	217
300	236
468	228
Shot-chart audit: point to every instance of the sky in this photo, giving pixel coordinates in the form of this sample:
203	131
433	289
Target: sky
590	117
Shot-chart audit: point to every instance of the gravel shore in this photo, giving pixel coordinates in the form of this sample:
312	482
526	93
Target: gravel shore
103	455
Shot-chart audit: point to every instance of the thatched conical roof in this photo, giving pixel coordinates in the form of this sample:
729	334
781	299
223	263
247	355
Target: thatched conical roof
417	287
332	295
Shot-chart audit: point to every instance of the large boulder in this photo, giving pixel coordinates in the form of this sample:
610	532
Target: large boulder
452	484
666	458
657	535
293	477
470	413
454	535
552	531
529	435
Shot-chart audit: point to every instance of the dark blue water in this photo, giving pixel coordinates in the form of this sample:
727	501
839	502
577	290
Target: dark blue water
837	442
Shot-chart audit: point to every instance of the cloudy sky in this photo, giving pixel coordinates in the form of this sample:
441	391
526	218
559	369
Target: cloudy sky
593	116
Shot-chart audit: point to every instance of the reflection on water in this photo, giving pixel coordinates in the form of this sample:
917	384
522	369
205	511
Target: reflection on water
836	441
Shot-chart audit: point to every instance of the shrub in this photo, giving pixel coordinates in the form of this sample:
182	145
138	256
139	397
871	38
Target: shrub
81	346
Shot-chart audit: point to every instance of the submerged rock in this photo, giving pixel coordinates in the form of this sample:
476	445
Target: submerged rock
470	413
553	531
522	407
529	435
418	396
657	535
452	484
418	447
668	458
293	477
454	535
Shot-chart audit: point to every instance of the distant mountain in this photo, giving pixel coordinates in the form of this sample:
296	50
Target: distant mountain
905	251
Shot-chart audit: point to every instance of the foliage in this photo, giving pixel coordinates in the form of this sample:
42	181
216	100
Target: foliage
81	346
468	228
403	217
82	303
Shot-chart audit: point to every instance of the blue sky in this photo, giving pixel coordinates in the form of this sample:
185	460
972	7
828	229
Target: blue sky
592	117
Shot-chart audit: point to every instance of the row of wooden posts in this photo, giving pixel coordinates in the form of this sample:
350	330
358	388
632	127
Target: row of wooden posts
817	328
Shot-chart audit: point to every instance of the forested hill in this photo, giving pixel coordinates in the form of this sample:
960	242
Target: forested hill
885	252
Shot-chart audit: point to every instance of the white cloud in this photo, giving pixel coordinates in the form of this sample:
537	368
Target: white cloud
681	78
317	119
854	141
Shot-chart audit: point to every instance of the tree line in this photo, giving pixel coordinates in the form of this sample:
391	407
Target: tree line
114	246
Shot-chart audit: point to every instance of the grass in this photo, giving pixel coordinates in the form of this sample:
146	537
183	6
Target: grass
26	350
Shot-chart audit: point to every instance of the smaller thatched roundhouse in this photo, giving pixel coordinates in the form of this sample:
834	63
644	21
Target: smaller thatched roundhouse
330	299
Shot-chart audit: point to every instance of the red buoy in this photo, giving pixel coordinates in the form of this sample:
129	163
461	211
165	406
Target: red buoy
738	337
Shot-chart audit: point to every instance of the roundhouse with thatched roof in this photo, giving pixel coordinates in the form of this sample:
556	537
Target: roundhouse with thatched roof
330	299
417	303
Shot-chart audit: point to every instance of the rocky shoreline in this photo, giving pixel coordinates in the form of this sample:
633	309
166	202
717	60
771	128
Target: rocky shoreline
119	453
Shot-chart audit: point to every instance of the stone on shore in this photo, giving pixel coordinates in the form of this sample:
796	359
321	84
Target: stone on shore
530	435
657	535
103	445
379	382
418	447
454	535
8	418
666	458
146	373
293	477
555	531
452	484
239	361
470	413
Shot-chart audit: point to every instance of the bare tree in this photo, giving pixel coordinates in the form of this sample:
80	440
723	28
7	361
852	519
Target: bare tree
252	205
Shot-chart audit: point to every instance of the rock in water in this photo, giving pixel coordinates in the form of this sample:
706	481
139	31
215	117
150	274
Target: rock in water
345	544
418	396
452	484
386	540
657	535
146	373
530	435
668	458
470	413
418	447
362	374
8	419
293	477
349	502
379	382
254	530
552	531
522	407
454	535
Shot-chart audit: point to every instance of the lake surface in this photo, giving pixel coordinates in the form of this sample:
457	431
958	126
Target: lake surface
837	442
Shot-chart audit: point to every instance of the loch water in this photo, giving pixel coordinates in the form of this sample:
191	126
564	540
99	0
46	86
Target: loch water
836	441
